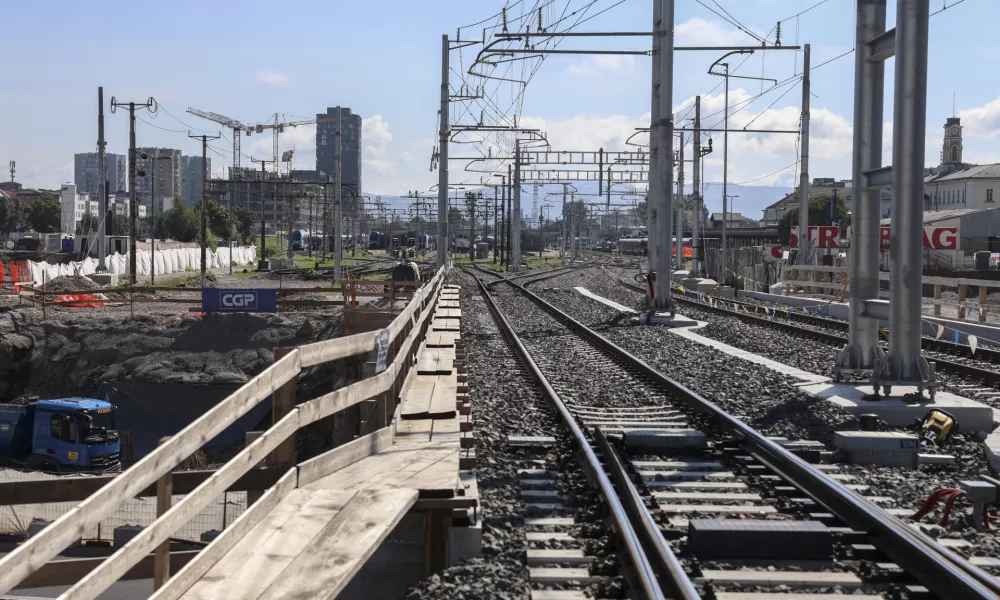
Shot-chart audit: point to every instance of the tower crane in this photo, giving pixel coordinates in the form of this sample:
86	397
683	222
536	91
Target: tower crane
279	127
233	124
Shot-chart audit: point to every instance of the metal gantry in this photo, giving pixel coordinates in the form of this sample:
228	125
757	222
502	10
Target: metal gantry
909	43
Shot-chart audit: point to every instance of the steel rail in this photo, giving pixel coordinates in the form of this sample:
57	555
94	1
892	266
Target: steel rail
633	547
939	569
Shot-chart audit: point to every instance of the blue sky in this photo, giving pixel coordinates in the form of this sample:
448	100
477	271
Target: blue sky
381	58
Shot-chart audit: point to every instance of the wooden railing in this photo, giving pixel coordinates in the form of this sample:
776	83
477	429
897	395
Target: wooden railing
278	379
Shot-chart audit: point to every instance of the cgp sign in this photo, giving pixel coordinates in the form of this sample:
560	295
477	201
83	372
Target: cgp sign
245	300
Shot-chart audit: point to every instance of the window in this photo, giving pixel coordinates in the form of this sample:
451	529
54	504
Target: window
989	194
56	429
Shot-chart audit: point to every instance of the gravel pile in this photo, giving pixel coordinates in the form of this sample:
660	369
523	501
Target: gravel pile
70	284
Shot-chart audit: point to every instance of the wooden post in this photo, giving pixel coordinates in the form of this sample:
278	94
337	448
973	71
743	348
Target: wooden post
161	560
937	297
961	303
982	303
282	403
436	523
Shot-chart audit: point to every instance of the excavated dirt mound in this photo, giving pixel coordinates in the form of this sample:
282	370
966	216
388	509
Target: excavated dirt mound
69	284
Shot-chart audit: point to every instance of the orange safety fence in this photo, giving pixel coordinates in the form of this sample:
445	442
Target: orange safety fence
79	301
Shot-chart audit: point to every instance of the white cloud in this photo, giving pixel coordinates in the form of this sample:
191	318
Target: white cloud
376	138
272	78
406	157
701	32
981	122
601	64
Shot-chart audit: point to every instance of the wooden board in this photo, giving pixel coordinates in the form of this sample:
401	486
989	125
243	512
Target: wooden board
448	313
341	456
259	559
442	304
416	401
413	431
436	361
445	325
442	339
339	550
444	401
419	465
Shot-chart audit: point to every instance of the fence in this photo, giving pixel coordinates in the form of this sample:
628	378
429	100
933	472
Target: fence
397	346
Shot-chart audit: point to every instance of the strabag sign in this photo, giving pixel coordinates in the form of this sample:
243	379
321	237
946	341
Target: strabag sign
239	300
828	236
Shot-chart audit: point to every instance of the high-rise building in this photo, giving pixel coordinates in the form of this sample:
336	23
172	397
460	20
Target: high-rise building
350	157
85	173
191	179
166	172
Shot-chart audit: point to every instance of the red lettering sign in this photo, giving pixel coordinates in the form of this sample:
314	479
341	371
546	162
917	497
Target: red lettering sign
824	236
936	238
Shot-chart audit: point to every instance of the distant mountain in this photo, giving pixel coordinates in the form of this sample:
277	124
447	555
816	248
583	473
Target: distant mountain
751	202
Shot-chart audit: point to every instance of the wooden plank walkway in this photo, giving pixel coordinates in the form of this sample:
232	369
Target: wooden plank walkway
315	534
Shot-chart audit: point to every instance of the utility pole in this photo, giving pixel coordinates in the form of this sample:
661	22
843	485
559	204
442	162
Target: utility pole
804	159
132	199
204	202
562	246
496	223
679	244
652	221
338	241
516	216
102	176
723	260
502	238
665	168
442	225
695	187
262	264
472	226
510	215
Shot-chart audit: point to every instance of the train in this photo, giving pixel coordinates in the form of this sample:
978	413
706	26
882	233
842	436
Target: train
640	246
300	238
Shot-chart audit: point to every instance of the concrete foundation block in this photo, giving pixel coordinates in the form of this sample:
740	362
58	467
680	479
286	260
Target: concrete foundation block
104	279
665	439
724	291
935	459
679	276
124	533
704	286
774	540
971	415
883	448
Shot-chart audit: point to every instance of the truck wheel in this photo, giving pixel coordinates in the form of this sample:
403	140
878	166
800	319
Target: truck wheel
43	463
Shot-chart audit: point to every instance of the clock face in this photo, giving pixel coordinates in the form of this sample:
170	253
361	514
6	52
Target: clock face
954	131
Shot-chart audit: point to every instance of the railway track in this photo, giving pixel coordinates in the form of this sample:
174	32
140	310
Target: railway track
956	359
685	470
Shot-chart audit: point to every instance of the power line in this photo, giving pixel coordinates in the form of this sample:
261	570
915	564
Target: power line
768	175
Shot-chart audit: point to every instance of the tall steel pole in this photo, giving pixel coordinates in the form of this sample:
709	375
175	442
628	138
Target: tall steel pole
723	261
133	201
562	246
679	227
654	119
804	257
442	225
516	217
869	85
695	187
102	176
338	216
665	165
905	364
204	201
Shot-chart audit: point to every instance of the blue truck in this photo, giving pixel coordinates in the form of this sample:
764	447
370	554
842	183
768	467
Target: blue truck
69	434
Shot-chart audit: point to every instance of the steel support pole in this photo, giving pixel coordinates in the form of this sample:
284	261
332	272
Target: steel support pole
665	165
695	187
562	246
338	216
133	201
442	224
654	118
905	363
515	232
869	80
804	257
679	226
723	258
102	182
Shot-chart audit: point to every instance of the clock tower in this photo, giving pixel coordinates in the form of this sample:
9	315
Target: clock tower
951	152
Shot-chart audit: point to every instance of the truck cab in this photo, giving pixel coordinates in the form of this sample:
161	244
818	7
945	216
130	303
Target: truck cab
69	434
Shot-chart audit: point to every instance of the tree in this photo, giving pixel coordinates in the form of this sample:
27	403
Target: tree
43	214
817	216
88	224
120	225
11	215
245	222
220	220
181	223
